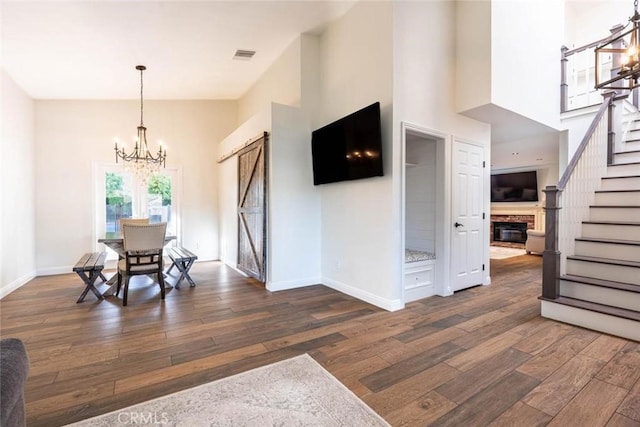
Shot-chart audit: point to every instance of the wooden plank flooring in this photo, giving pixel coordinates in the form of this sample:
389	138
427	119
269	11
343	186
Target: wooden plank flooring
481	357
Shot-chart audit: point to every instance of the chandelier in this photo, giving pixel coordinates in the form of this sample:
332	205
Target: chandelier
623	53
140	161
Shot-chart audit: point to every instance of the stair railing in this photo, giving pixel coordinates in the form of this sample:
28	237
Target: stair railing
567	204
566	53
630	111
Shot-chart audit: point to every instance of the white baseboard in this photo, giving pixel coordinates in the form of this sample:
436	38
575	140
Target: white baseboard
591	320
10	287
292	284
52	271
387	304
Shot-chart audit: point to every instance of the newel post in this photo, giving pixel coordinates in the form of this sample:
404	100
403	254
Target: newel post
551	255
611	132
564	91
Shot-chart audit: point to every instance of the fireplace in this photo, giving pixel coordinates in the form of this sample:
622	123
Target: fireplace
510	232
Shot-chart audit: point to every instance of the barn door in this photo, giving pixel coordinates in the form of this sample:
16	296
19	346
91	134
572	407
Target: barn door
252	204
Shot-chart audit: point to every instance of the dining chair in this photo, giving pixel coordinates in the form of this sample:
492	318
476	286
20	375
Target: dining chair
123	221
143	245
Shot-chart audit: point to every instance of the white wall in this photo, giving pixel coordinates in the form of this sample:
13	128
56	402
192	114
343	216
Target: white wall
17	187
310	67
281	83
423	91
72	135
293	231
420	200
502	61
294	203
590	20
356	222
228	183
576	123
525	43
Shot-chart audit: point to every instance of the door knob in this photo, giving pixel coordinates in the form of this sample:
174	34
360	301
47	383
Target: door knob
457	224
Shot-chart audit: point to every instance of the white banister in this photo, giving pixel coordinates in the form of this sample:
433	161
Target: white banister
579	191
567	204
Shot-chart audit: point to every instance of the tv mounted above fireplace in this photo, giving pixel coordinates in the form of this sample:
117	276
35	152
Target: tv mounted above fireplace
514	187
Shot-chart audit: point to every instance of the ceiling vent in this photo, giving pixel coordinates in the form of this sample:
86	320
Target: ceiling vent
244	55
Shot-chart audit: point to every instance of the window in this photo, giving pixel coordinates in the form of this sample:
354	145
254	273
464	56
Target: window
119	194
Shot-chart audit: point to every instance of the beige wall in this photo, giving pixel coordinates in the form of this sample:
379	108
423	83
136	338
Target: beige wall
71	136
17	230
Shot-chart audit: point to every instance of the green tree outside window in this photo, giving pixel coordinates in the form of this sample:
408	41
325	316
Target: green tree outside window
161	185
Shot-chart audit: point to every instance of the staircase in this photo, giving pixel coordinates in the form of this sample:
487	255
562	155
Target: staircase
600	288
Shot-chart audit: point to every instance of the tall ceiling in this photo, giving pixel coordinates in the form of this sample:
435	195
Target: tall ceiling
89	49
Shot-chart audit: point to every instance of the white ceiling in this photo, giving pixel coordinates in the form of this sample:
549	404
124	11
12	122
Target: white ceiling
89	49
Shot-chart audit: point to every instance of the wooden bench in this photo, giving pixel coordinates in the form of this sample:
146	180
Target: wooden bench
183	259
91	263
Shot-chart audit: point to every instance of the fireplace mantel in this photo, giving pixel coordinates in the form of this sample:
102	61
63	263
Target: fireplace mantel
514	209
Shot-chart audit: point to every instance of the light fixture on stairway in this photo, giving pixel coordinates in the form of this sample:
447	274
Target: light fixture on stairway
140	161
624	52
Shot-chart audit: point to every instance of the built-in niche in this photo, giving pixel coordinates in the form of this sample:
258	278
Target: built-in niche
420	216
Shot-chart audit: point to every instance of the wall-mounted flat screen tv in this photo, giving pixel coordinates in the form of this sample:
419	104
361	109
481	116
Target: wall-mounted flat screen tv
349	148
514	187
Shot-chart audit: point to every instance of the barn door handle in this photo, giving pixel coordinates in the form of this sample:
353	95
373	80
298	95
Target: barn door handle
457	224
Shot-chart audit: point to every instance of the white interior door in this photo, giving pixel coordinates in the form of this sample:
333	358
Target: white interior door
467	210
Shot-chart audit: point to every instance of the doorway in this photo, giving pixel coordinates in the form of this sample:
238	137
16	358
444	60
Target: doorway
424	207
451	187
468	204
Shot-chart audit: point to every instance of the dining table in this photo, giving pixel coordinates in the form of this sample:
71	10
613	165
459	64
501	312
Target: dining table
114	240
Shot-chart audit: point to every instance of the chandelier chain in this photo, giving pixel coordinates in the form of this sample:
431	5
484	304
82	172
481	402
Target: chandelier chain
635	6
141	99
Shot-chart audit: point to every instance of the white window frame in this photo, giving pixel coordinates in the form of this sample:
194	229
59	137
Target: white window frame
99	169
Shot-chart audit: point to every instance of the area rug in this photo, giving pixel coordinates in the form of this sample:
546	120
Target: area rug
498	252
293	392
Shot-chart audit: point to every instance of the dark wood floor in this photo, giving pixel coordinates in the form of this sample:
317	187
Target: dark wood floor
481	357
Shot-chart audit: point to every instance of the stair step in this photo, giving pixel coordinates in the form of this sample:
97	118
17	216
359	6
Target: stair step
608	261
617	197
614	213
631	182
614	294
630	156
611	230
598	308
604	268
611	241
598	317
628	287
625	250
624	169
630	144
